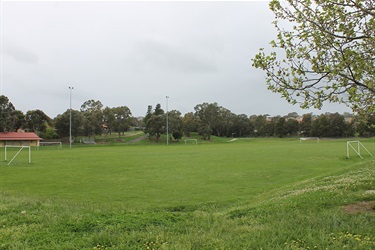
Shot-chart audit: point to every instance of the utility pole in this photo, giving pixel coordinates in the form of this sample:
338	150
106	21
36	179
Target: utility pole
167	97
70	118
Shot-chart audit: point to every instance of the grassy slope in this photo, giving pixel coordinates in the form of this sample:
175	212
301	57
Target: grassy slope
249	194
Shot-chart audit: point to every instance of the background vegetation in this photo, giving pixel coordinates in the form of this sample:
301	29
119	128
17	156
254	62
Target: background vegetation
207	120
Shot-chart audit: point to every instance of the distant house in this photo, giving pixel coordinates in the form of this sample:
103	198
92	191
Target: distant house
349	119
299	119
19	139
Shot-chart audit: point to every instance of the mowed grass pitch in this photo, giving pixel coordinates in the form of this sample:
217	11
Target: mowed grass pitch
158	176
247	194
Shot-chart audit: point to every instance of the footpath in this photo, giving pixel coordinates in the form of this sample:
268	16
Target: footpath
137	139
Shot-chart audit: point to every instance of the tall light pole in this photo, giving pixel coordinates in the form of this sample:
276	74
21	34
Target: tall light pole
167	97
70	118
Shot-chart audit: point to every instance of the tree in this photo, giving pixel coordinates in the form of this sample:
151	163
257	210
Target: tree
9	116
292	127
293	114
207	115
158	110
18	120
109	120
366	127
338	125
137	122
175	124
280	127
92	117
328	54
50	133
224	122
349	128
189	123
148	114
306	124
37	121
122	116
270	126
241	126
263	125
62	123
155	126
320	127
155	122
205	131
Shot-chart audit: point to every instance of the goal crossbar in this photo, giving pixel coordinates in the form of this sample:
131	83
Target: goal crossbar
357	150
194	140
18	152
309	138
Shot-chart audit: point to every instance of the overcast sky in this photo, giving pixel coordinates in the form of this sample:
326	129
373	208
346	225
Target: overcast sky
134	54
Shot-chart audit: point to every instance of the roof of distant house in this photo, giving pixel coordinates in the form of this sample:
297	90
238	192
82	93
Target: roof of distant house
16	136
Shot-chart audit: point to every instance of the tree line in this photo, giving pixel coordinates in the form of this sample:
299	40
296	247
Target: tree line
207	119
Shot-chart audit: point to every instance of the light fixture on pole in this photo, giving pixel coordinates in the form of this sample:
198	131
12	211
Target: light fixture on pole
70	118
167	97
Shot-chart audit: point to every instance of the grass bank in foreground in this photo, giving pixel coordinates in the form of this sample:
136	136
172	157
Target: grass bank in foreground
250	194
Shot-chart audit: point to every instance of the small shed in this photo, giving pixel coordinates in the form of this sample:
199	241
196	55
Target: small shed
19	139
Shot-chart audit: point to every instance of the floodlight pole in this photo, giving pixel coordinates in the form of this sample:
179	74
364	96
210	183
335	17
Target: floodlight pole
70	118
167	97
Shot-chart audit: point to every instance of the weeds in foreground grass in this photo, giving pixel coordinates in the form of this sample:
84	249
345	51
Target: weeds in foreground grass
337	241
352	241
307	220
153	245
100	247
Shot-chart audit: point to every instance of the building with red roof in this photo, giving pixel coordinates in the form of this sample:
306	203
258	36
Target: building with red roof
19	139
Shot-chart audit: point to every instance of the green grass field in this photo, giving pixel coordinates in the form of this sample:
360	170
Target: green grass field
245	194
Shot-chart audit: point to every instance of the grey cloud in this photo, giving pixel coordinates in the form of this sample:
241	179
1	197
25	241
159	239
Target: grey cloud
176	57
194	52
19	54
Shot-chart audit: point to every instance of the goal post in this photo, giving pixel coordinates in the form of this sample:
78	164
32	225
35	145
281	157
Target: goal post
192	140
309	139
356	147
18	152
58	144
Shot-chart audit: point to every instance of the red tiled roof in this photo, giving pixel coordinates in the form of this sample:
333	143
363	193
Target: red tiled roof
15	136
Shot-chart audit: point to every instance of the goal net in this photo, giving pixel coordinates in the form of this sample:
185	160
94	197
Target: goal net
18	149
57	143
191	141
356	146
309	139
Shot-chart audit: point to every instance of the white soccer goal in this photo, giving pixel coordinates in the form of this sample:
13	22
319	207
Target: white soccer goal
191	140
356	146
18	152
309	139
57	143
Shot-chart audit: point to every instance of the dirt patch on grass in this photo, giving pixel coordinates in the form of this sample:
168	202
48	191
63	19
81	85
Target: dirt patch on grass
361	207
